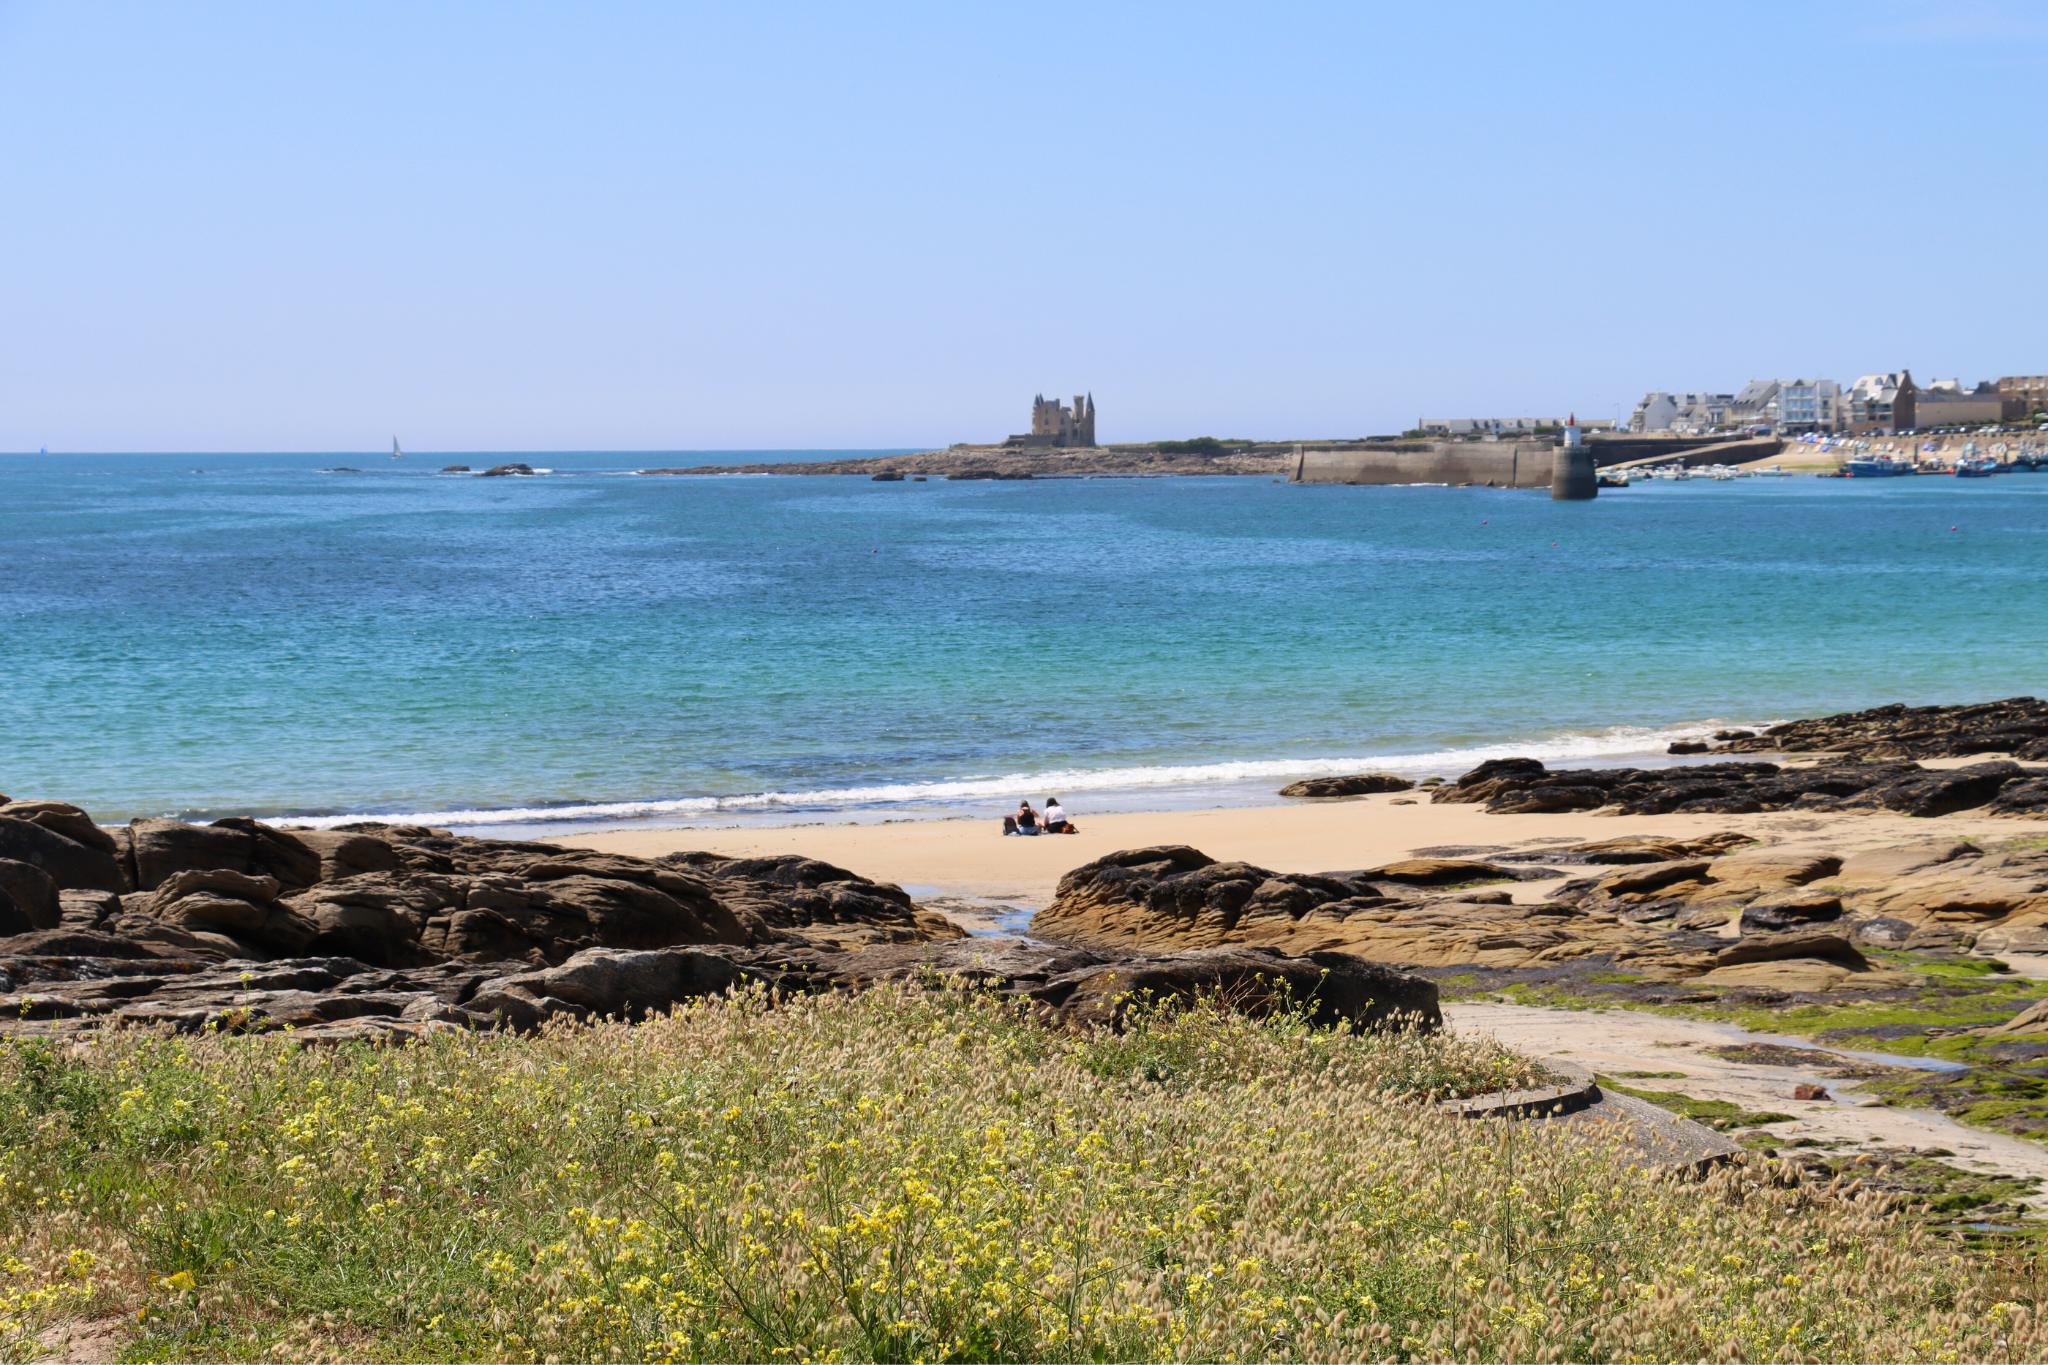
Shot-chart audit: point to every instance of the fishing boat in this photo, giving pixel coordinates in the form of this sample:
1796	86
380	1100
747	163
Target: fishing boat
1976	469
396	453
1876	467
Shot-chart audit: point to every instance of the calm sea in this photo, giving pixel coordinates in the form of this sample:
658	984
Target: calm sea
209	634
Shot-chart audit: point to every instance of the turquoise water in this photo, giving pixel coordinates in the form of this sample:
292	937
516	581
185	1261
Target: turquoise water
264	638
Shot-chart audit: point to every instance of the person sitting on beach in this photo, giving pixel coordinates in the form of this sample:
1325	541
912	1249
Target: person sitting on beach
1027	818
1056	818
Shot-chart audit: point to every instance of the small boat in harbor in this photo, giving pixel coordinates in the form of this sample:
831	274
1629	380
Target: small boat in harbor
1976	469
1876	467
1612	478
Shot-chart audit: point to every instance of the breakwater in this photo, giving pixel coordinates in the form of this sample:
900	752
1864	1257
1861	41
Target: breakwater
1501	464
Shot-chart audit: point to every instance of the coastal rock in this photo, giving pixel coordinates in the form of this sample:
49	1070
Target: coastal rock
1526	786
607	982
1638	920
455	469
69	981
73	866
410	898
1356	784
1644	848
1687	746
1082	986
2031	1020
513	470
156	850
29	898
63	818
1792	910
2016	725
233	904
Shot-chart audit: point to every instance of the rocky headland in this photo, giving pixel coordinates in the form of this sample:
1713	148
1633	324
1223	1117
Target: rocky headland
1012	462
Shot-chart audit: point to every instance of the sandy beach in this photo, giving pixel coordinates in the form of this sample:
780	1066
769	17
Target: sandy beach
971	858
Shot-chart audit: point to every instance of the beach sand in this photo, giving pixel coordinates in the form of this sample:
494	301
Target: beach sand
971	858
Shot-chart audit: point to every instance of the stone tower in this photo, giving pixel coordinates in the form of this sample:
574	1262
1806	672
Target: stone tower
1573	475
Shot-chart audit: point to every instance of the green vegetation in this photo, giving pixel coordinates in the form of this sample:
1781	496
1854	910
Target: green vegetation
1721	1115
1199	445
909	1175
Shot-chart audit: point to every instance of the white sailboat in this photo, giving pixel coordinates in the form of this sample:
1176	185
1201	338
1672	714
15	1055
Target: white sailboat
396	453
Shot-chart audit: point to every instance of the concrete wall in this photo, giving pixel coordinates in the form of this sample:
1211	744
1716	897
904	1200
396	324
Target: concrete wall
1502	464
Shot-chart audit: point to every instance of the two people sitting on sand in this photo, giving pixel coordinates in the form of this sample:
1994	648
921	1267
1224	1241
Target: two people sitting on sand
1029	821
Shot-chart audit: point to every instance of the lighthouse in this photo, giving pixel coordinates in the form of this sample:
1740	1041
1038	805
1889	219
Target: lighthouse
1572	477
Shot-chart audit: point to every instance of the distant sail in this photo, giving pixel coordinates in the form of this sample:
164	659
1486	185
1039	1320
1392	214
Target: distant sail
396	453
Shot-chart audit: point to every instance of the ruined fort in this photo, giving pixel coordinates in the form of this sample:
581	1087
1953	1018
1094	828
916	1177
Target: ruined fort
1057	425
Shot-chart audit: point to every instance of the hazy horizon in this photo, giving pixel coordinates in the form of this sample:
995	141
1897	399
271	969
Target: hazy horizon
654	228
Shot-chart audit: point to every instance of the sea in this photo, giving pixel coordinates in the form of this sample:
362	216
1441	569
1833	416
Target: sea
201	635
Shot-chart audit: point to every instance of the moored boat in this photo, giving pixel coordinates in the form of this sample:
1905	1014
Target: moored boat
1876	467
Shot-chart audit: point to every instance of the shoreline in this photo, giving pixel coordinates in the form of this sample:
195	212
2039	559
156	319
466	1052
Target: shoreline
1142	789
971	858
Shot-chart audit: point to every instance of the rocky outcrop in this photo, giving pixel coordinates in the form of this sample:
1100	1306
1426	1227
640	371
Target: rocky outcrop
1356	784
1159	899
1938	893
514	470
2017	726
378	931
1525	786
404	896
83	981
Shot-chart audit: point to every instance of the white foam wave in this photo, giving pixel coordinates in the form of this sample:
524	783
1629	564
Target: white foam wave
1616	743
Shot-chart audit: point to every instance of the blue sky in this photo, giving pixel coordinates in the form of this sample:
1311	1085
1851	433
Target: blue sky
672	226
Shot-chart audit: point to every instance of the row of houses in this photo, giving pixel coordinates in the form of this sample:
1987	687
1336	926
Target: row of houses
1496	427
1888	402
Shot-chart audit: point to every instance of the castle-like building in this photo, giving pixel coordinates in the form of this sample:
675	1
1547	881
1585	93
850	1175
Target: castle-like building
1053	423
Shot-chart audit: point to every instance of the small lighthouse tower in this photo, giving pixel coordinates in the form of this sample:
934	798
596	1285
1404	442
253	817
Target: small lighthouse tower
1572	476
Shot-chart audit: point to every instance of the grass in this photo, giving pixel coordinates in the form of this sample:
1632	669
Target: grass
911	1175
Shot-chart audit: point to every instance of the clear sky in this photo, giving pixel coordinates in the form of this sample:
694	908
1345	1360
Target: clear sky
277	226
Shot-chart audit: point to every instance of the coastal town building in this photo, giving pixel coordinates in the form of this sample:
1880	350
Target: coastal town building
1654	413
1684	413
1756	405
1699	413
1806	405
1053	423
2025	394
1498	426
1881	403
1947	403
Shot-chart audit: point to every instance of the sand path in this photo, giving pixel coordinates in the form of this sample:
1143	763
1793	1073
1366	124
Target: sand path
1614	1041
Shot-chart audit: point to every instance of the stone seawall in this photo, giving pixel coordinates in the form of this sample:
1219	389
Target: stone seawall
1504	464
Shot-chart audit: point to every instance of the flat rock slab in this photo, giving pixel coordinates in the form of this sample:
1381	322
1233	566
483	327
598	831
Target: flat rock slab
1662	1138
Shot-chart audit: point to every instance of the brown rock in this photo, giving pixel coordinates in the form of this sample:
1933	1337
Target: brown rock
29	899
1356	784
71	865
